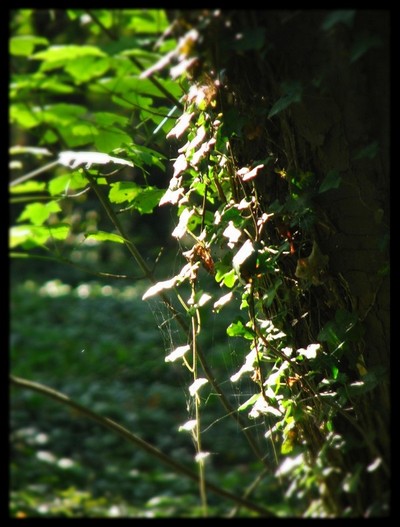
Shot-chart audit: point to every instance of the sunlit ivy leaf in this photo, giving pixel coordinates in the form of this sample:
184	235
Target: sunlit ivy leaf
196	385
248	174
225	274
189	426
222	301
74	159
247	367
185	273
198	138
338	16
201	456
232	233
102	236
181	125
178	353
261	407
180	229
238	329
38	213
332	180
23	45
180	165
292	92
310	352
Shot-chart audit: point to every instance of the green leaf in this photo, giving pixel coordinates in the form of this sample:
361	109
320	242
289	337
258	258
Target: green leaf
147	20
28	187
61	184
124	191
332	180
108	140
36	235
23	45
238	329
38	213
87	68
61	114
147	200
249	402
55	56
142	155
103	236
292	92
24	115
339	16
108	119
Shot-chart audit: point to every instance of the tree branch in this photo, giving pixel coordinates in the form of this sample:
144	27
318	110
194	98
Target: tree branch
134	439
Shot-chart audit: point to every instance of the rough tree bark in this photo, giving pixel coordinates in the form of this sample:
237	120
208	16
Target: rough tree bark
340	123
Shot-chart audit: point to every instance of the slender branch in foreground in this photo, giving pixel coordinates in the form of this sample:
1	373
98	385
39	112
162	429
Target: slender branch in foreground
132	438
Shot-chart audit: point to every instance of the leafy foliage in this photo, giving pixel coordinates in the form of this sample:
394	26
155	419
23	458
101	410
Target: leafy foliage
124	88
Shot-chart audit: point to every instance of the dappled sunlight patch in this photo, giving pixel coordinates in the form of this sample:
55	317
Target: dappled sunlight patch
54	288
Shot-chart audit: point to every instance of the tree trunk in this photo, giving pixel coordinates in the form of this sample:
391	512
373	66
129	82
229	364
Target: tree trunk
331	70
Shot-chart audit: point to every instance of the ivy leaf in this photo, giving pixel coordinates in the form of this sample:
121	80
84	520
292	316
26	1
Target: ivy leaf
178	353
196	385
180	229
292	92
238	329
74	159
332	180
